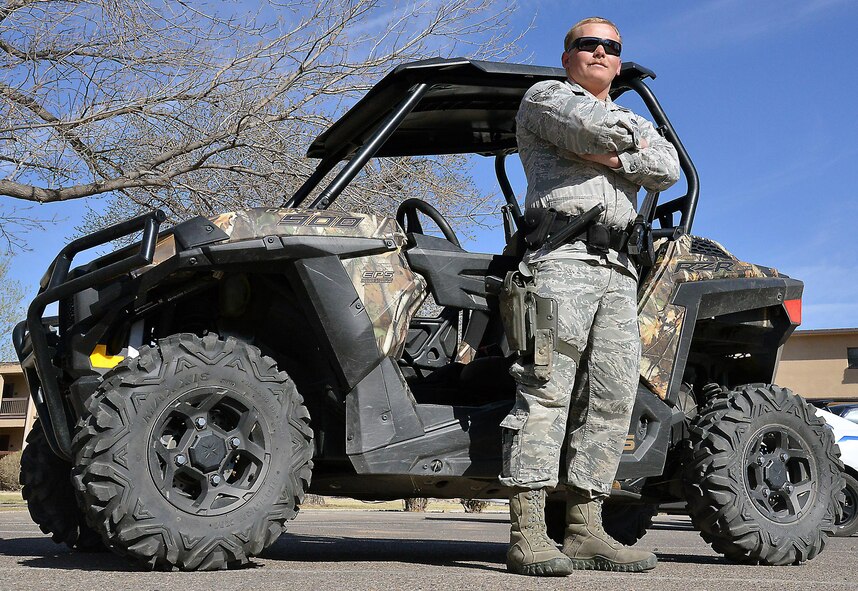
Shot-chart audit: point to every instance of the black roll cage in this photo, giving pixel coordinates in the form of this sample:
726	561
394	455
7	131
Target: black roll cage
631	78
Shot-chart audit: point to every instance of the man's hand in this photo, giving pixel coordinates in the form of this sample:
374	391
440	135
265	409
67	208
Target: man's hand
610	160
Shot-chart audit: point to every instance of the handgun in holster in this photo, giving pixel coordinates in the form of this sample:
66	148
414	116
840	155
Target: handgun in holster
640	245
529	320
550	233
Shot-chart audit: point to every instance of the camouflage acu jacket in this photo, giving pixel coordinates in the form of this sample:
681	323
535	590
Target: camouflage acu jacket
559	120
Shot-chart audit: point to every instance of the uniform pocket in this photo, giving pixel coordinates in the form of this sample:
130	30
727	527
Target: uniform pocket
511	430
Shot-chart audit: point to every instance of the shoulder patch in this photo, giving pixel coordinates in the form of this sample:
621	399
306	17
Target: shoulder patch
541	89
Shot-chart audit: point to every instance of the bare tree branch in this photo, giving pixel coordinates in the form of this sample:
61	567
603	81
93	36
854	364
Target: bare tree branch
39	111
195	109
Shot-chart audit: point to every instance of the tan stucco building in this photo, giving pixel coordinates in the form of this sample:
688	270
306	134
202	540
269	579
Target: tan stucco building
17	411
821	363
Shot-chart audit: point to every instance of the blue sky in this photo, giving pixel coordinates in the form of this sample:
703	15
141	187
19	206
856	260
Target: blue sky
762	94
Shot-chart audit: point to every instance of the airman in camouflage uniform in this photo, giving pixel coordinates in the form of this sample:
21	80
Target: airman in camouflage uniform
580	149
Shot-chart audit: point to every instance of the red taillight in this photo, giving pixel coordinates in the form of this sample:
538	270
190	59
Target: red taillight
793	309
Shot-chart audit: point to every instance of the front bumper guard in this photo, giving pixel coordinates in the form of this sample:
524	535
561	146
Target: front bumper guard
31	336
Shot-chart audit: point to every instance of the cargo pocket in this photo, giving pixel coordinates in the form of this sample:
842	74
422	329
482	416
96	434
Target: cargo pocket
511	429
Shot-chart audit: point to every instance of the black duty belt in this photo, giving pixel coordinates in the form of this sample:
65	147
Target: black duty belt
598	237
602	238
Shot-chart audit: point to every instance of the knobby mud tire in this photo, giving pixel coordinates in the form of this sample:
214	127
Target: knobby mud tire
116	443
46	487
847	525
626	523
727	501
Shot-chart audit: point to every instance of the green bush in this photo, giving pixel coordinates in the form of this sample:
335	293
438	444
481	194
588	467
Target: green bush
10	470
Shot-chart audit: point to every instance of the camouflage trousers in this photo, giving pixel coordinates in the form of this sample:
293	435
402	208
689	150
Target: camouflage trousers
597	315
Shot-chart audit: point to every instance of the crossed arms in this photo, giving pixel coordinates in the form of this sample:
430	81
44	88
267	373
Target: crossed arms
600	132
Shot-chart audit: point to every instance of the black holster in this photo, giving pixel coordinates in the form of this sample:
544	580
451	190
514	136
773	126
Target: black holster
555	229
641	248
529	320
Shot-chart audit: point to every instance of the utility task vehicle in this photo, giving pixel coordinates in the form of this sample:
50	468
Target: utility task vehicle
197	384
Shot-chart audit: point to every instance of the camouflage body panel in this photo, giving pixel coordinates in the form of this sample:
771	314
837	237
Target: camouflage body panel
391	294
165	249
688	258
260	222
389	290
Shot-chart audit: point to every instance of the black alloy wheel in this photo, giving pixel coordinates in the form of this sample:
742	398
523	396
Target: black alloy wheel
781	469
209	451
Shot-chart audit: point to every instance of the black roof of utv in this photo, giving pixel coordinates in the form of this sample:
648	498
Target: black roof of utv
470	107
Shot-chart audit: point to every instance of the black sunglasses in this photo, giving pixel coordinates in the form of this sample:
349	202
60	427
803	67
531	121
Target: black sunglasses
590	44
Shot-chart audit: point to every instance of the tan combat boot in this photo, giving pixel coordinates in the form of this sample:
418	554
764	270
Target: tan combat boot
531	551
591	548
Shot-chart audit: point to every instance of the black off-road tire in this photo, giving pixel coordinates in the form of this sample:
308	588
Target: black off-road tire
47	488
764	482
194	454
626	523
847	525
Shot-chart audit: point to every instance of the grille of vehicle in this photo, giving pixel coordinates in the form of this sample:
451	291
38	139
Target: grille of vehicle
705	247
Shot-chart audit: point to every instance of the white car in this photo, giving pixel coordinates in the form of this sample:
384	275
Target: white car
846	437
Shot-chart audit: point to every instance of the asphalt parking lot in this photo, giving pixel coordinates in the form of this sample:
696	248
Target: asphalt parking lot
390	550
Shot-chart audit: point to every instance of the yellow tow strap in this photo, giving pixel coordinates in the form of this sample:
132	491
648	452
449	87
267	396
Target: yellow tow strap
100	359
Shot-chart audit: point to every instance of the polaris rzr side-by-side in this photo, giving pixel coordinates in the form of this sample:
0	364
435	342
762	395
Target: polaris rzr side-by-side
195	385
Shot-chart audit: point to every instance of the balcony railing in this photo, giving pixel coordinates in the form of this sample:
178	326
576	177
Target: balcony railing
13	407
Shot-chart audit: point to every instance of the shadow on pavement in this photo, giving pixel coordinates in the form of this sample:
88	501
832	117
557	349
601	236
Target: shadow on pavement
43	553
499	519
300	548
690	558
672	525
487	556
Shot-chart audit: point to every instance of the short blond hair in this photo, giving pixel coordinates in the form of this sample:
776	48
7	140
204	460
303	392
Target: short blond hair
573	32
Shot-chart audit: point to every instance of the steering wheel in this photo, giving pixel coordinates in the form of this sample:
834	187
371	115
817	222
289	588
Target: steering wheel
408	209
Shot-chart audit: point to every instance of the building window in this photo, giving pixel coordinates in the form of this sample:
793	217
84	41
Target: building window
852	357
9	389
